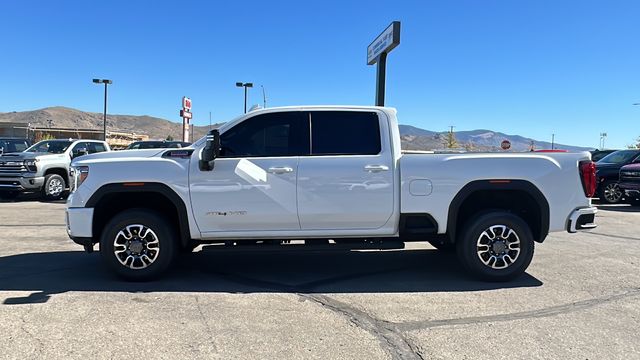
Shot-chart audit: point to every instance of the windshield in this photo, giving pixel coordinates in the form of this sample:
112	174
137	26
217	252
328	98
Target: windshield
11	145
619	157
50	146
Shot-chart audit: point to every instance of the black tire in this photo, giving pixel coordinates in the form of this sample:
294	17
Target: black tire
54	187
474	236
9	195
131	223
610	192
443	246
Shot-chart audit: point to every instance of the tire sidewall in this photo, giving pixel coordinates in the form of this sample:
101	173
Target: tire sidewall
603	198
152	220
45	189
467	246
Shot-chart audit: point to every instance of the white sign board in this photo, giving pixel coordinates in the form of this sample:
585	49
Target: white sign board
385	42
186	103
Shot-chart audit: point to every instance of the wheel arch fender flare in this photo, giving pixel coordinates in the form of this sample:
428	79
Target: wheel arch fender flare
499	185
147	187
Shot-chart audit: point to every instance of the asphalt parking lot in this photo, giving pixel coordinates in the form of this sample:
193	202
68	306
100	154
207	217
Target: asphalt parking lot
580	299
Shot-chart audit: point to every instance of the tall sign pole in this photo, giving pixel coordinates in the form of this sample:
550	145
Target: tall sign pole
377	54
186	115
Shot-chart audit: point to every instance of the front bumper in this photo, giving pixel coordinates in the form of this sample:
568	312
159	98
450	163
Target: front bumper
582	219
21	183
80	225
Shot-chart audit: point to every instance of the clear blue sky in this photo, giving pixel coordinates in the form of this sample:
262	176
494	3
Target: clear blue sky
528	67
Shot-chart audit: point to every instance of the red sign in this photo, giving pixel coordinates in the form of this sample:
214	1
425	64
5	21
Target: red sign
185	114
505	145
186	103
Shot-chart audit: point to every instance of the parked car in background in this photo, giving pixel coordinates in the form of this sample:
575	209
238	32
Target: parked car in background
608	174
157	145
597	155
44	167
11	144
630	183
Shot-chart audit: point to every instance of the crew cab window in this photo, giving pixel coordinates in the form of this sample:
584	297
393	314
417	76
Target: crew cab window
266	135
345	133
94	147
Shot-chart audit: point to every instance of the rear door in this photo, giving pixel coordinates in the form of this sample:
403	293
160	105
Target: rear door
347	181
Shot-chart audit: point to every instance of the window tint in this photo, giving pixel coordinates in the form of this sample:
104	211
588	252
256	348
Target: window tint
345	133
277	134
93	147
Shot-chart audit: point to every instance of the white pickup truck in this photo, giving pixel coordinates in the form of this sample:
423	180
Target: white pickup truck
333	177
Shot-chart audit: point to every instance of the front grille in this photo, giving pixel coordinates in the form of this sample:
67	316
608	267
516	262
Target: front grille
630	175
12	166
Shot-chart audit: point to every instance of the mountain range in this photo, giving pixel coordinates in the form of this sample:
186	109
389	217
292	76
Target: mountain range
413	138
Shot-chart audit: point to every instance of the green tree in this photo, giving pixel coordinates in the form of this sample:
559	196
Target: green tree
169	138
450	140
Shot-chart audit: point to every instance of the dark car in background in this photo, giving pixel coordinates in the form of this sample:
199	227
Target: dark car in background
608	174
157	145
630	183
11	145
597	155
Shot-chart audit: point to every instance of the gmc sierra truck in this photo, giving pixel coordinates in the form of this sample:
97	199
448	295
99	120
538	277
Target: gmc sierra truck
325	175
43	167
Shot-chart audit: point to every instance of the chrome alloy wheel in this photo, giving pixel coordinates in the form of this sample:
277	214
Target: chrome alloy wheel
498	247
612	192
136	246
55	187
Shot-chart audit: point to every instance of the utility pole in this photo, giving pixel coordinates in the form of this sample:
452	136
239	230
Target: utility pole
553	138
264	97
209	120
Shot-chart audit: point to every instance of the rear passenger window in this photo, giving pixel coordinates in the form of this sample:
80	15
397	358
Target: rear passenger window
99	147
345	133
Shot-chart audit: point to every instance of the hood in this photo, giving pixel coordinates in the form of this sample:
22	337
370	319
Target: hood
601	165
634	167
109	156
19	156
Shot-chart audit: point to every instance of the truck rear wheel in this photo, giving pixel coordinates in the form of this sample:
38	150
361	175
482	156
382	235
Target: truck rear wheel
138	244
496	246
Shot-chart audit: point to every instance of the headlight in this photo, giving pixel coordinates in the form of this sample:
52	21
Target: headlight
31	165
79	174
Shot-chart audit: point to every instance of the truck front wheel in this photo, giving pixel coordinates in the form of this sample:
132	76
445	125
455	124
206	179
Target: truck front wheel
496	246
138	244
53	187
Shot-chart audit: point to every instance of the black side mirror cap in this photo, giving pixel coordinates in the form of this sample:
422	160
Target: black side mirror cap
211	151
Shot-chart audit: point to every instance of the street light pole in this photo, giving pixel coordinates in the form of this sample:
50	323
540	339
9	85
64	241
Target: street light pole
264	97
245	86
104	117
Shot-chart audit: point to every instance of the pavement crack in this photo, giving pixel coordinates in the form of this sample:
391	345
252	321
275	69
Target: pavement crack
387	333
539	313
206	323
23	326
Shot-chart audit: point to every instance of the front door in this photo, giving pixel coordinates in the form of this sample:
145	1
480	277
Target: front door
253	184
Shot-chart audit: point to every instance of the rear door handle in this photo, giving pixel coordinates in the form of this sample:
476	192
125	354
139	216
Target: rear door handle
280	170
376	168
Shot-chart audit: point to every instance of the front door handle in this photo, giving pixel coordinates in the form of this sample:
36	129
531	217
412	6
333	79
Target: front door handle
280	170
376	168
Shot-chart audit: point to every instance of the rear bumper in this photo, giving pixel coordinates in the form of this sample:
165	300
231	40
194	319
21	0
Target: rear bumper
21	183
582	219
80	225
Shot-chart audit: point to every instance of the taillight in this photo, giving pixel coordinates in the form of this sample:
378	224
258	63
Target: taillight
588	177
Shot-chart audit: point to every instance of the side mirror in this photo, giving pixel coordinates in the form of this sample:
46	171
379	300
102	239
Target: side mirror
211	151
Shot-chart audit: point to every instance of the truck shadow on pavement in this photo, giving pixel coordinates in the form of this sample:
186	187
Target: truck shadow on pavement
407	271
619	208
